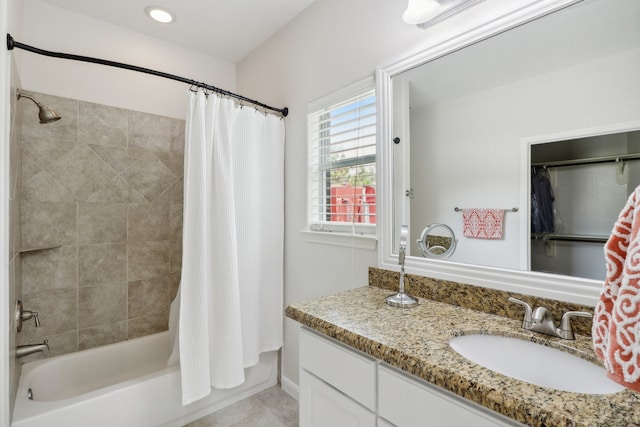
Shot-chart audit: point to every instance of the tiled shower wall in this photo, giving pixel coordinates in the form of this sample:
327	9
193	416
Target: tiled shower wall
14	229
101	221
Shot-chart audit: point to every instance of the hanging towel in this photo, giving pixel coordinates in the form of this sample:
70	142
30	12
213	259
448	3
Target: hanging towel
616	321
483	223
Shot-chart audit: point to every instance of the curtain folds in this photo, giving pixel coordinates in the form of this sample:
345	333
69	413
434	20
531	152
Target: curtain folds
229	307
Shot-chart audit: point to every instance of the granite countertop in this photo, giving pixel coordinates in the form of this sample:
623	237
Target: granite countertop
416	341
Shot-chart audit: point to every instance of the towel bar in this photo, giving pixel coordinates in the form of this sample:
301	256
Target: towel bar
457	209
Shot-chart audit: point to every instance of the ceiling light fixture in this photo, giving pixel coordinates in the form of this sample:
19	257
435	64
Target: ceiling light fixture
159	14
427	12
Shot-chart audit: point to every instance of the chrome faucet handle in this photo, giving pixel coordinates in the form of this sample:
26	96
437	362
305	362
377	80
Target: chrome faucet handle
21	315
565	324
26	315
527	311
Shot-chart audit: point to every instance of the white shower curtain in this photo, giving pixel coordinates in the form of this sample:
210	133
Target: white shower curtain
229	307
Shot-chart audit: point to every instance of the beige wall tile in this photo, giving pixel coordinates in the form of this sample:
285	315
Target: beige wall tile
119	158
102	125
149	297
146	325
99	305
149	222
102	335
177	135
48	224
116	191
173	194
149	131
102	263
57	311
173	161
45	152
176	221
150	177
176	256
102	222
14	227
42	187
50	269
148	260
82	171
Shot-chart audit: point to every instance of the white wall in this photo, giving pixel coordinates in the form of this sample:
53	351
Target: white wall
331	44
52	28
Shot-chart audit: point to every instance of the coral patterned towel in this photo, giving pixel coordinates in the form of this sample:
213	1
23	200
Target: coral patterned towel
616	322
483	223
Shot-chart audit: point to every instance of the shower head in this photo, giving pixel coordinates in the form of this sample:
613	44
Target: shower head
46	114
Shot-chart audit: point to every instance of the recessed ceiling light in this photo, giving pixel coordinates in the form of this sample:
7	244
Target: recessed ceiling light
159	14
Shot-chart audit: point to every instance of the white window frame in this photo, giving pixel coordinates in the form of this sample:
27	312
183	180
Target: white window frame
319	227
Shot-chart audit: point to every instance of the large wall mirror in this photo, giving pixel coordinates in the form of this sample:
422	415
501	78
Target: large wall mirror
552	100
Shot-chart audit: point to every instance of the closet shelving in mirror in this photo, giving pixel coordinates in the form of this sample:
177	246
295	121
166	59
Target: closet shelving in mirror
620	159
570	237
589	161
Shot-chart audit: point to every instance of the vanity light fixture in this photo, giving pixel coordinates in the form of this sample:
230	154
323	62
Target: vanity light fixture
159	14
427	12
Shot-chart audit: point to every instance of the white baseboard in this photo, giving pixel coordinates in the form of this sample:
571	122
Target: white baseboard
290	387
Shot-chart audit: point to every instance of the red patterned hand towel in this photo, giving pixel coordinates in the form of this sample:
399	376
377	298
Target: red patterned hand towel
483	223
616	321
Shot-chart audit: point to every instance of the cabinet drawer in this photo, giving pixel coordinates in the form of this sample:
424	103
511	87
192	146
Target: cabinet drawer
408	402
348	371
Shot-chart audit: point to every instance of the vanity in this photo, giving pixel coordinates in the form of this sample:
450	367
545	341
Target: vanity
365	363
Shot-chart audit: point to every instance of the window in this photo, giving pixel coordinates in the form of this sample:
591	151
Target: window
342	161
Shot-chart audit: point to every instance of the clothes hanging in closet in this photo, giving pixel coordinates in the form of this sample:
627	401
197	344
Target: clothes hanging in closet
542	220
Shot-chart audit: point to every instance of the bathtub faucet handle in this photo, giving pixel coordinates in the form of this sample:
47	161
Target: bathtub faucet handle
26	315
22	315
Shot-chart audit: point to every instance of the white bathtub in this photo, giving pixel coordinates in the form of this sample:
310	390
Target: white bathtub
123	384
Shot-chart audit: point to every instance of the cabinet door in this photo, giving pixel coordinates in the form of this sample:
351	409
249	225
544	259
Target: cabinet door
349	371
409	402
323	406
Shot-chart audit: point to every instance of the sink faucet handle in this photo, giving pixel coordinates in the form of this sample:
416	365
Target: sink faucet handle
565	323
527	310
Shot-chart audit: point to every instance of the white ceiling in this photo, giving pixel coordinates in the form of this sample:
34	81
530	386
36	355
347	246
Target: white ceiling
224	29
580	33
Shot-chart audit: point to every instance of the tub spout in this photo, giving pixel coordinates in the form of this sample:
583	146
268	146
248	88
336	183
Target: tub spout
25	350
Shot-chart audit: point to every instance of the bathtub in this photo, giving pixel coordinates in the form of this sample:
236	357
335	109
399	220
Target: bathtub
123	384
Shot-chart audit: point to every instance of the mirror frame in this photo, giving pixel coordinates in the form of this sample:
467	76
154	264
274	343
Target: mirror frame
562	288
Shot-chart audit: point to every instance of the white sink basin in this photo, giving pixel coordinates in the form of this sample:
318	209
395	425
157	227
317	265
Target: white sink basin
535	364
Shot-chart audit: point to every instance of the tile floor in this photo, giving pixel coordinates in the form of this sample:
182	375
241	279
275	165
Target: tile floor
270	408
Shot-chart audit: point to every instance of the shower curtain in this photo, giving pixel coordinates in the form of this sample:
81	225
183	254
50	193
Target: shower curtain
229	306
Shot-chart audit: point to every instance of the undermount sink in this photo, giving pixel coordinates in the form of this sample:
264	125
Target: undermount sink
535	363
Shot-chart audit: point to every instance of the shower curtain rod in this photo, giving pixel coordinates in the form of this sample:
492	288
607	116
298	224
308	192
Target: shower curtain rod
12	44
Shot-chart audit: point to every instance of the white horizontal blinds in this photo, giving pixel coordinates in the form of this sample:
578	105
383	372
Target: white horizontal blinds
342	165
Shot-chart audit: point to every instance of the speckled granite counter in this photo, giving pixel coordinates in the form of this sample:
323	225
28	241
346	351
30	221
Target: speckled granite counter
361	319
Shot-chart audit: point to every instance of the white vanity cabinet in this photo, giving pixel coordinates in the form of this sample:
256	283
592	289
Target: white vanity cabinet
340	386
337	384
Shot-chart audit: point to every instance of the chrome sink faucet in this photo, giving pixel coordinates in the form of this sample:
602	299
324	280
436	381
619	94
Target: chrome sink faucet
541	320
